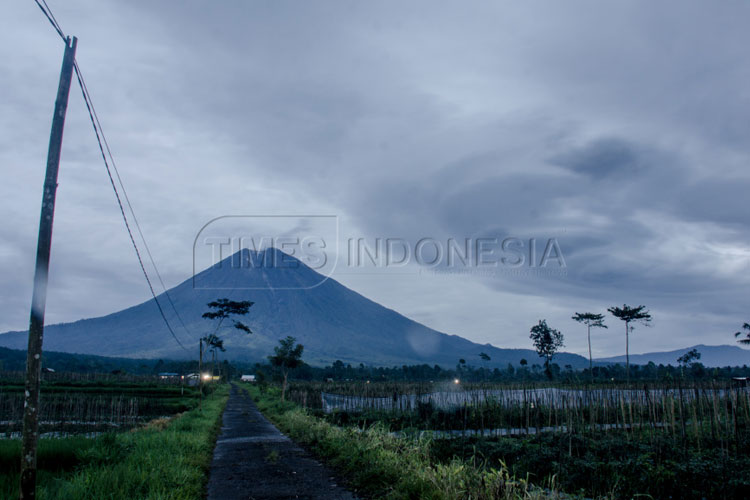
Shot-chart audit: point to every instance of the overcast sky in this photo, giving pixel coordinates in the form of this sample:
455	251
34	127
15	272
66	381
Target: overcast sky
621	129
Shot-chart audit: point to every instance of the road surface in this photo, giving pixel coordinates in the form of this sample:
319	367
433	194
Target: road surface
254	460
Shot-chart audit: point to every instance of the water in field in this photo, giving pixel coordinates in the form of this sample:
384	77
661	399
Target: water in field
551	397
73	407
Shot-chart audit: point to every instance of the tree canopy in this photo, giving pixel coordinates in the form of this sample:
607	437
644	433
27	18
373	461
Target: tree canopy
547	342
631	314
746	340
222	309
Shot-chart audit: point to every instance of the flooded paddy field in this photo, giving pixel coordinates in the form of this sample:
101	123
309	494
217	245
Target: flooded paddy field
92	405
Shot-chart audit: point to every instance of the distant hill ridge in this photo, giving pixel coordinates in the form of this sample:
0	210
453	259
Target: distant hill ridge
711	355
332	321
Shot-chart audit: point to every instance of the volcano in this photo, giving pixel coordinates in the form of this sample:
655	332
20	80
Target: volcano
330	320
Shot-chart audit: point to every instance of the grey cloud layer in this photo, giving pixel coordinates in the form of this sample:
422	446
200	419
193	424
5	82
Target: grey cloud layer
620	129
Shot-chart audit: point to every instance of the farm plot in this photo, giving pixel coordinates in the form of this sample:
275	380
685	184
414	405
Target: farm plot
89	407
686	439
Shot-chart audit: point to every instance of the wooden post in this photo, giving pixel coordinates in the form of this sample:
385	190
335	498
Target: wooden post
200	376
39	297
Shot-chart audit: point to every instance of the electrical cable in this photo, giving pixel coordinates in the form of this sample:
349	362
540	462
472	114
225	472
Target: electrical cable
130	207
89	106
101	137
51	18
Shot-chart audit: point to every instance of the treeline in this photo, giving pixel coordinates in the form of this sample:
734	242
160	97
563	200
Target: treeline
340	371
15	360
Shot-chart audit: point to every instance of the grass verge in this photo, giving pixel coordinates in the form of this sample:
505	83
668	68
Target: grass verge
166	460
380	465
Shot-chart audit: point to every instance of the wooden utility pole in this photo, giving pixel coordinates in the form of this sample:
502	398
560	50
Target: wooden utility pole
39	297
200	376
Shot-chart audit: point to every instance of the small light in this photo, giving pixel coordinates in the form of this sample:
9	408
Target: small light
368	381
206	376
456	381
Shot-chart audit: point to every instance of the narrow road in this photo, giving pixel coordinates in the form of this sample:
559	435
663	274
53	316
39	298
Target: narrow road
253	460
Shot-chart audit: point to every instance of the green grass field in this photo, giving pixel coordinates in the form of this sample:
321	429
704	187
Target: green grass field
167	459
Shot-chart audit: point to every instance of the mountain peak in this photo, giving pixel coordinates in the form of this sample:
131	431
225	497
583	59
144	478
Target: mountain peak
266	269
289	298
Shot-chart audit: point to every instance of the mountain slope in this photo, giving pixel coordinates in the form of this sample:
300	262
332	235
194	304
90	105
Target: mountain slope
332	321
711	355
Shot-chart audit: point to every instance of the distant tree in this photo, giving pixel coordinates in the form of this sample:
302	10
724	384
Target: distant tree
547	342
746	340
221	309
485	358
687	358
224	309
524	369
213	343
288	356
461	365
628	314
590	319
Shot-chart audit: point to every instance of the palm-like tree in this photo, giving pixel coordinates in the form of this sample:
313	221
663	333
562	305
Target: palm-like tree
628	314
746	333
221	309
590	319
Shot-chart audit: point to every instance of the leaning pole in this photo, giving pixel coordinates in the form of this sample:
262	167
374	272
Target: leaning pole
39	297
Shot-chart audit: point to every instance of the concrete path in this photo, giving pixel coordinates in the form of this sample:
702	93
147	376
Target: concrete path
253	460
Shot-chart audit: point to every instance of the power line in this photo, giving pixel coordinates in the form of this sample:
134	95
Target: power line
52	15
51	18
89	107
130	207
101	137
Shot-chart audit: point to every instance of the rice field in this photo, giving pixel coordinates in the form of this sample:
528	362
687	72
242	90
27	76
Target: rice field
684	439
89	405
686	410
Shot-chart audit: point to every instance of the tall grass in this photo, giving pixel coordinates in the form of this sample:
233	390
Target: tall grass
163	460
688	412
679	440
87	407
381	465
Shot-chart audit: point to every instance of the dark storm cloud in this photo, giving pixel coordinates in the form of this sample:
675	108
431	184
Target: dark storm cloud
602	158
619	129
